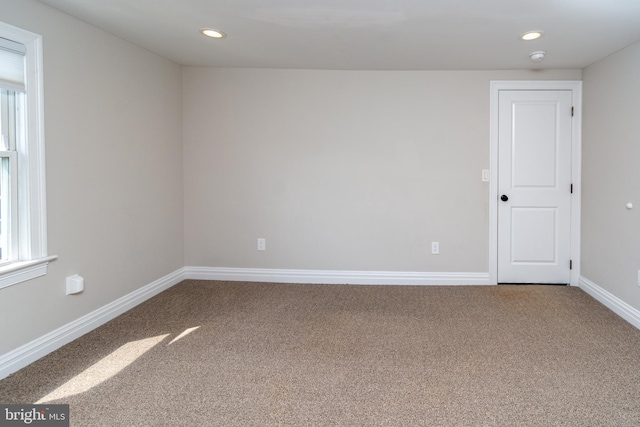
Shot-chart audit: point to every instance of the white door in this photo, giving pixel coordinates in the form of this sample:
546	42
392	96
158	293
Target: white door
534	186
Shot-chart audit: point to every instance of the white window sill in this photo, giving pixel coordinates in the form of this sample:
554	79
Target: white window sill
22	271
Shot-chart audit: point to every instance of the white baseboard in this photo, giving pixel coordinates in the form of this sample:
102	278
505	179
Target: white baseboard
335	277
611	301
22	356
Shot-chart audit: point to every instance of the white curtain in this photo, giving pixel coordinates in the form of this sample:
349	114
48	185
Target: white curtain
12	68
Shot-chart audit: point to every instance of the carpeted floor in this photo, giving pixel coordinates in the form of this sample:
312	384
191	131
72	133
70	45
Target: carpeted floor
251	354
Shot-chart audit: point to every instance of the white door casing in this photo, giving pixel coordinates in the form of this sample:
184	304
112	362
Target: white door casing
535	158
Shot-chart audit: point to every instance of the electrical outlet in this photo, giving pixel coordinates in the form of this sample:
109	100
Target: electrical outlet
262	244
435	248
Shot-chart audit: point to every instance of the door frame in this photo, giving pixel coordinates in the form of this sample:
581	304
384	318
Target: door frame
575	86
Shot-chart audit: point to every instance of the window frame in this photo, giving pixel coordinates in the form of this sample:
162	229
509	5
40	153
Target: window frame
32	257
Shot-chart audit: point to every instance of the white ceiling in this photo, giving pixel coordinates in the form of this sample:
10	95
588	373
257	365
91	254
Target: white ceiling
369	34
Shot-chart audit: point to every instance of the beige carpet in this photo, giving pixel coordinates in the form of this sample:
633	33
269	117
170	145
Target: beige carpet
251	354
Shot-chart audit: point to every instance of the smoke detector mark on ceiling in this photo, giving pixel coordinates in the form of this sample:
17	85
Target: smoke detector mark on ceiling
537	56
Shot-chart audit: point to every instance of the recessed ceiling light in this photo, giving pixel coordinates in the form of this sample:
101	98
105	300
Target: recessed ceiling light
531	35
210	32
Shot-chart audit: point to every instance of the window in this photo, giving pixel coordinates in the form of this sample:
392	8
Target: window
23	244
10	122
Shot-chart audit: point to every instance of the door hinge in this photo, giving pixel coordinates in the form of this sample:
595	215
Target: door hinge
571	188
570	264
571	111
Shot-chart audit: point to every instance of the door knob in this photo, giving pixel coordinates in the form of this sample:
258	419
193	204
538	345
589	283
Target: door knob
504	198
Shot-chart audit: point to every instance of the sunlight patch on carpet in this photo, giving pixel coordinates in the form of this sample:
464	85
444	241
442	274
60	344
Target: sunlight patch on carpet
103	370
184	334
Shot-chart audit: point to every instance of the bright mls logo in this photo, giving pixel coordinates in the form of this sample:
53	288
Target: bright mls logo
34	415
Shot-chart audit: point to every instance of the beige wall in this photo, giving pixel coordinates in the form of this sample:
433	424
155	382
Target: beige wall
113	118
339	170
611	174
